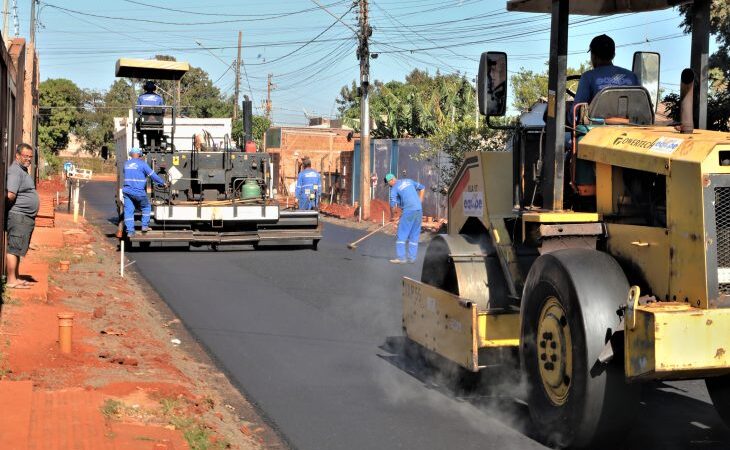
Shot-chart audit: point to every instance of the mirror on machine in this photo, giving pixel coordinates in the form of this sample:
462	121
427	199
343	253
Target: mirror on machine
646	68
492	84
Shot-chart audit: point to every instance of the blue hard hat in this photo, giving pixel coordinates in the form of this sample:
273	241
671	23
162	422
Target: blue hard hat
135	150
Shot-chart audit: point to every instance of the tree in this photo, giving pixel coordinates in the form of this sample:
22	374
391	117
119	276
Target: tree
199	97
417	107
455	140
96	128
718	104
60	101
259	125
529	87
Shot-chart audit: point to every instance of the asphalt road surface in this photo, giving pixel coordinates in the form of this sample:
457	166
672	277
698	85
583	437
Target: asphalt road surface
313	339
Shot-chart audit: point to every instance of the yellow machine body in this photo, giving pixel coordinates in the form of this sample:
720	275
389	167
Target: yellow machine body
679	327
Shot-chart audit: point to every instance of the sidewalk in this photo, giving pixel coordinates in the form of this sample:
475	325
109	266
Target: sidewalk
127	384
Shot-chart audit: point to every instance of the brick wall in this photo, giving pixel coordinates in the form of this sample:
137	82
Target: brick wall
327	149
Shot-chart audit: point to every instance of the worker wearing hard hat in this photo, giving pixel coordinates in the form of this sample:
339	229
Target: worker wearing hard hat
309	187
134	190
604	73
408	196
150	97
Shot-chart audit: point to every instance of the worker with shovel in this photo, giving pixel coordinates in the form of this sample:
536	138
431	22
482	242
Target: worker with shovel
408	195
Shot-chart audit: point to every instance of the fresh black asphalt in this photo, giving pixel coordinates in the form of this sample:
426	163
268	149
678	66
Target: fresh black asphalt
312	338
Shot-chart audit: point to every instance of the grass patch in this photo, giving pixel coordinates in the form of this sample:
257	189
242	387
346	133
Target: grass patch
111	408
197	435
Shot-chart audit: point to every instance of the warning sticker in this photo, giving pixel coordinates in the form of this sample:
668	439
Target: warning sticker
174	174
666	145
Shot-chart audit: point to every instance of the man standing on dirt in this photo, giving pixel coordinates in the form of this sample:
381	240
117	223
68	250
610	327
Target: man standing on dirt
408	195
24	203
136	172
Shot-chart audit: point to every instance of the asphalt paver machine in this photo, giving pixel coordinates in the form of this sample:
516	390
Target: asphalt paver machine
597	265
217	193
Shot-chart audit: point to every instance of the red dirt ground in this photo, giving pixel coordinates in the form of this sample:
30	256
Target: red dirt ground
124	386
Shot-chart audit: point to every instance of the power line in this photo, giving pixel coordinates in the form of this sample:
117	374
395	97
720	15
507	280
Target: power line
257	16
137	19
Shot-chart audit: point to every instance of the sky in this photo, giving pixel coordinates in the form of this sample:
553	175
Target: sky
311	54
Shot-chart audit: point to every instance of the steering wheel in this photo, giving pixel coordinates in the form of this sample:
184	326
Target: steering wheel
571	78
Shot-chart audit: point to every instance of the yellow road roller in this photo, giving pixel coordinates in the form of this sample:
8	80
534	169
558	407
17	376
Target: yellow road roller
600	261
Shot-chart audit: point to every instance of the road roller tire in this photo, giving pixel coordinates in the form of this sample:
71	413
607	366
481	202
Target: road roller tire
569	313
719	390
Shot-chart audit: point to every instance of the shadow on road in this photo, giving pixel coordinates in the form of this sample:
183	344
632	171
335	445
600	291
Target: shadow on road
668	417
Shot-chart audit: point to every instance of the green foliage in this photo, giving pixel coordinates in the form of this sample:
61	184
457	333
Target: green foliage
53	163
418	107
259	125
198	96
718	105
455	140
529	87
111	408
66	109
60	100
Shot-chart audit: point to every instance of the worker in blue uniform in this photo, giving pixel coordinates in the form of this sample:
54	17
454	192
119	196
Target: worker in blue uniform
134	190
604	73
309	187
150	97
408	196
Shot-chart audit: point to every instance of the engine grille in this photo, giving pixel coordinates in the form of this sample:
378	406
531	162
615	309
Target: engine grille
722	229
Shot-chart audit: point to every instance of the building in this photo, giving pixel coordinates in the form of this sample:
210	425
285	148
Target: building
329	149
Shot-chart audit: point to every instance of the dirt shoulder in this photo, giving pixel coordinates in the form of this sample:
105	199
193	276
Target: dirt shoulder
133	371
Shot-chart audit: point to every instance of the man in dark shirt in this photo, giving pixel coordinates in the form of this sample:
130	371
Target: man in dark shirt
24	203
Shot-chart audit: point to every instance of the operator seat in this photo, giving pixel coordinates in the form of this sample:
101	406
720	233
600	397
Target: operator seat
617	105
150	127
631	103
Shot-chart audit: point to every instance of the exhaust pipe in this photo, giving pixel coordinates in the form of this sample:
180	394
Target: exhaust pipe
686	102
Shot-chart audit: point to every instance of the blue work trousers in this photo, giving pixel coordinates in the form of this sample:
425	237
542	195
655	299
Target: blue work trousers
133	202
409	230
307	204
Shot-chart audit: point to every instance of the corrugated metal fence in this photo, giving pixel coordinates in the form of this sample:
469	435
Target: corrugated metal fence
397	156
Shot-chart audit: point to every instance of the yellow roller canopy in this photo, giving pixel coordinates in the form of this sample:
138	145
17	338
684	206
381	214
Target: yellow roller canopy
594	7
151	69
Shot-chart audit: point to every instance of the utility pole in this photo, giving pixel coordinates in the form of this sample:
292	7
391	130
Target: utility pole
32	21
269	87
16	24
363	54
238	77
6	20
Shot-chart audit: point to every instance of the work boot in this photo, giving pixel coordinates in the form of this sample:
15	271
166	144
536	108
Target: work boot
397	261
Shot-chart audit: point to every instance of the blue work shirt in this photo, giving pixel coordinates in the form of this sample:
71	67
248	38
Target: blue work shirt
136	172
404	194
593	81
149	99
307	179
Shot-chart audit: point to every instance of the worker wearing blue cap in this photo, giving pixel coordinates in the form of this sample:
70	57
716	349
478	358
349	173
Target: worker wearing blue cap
134	190
408	195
